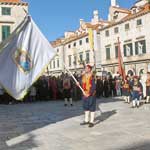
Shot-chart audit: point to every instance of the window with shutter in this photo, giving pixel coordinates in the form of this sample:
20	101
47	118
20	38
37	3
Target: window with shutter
69	57
124	49
140	47
5	32
144	46
128	49
6	11
87	57
108	53
136	48
116	51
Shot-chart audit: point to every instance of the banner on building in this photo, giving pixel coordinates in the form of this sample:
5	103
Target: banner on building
91	40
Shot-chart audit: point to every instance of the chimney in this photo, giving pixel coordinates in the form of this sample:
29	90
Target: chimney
113	3
81	21
95	18
95	14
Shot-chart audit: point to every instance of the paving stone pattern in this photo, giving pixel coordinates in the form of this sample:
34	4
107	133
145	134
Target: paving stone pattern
51	126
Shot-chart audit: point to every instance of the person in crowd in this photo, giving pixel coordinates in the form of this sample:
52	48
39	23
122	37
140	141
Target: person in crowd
118	86
105	87
126	90
67	90
99	87
136	92
59	81
113	87
32	93
54	88
1	94
143	78
148	88
43	88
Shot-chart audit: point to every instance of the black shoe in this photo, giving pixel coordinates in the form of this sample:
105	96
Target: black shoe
132	106
65	104
91	125
84	123
71	104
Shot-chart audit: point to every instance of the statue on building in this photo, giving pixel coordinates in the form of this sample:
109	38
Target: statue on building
140	48
128	50
143	82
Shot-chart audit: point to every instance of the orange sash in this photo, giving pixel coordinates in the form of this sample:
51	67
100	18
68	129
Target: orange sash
87	83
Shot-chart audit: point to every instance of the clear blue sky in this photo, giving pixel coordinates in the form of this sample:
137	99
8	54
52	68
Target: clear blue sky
54	17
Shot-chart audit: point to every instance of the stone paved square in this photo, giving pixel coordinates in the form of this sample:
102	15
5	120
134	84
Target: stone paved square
51	126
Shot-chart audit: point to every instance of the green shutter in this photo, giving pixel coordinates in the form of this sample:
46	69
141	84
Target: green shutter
5	32
116	51
107	53
131	49
6	11
136	48
87	57
144	46
124	49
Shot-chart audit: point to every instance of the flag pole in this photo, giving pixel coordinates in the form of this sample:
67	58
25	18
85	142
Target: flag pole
74	79
120	60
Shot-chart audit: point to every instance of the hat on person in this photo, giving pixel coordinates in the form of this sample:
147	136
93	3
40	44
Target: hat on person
89	66
148	72
136	77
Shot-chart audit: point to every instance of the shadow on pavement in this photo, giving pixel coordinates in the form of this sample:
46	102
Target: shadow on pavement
140	146
20	119
110	100
104	116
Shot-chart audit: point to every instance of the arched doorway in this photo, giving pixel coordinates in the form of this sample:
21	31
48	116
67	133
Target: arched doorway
109	74
130	73
141	72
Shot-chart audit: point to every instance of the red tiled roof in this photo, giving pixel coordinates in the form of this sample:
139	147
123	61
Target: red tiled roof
75	37
145	9
122	10
12	1
56	43
89	25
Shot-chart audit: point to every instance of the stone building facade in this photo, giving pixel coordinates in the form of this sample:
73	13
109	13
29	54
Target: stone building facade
131	26
74	49
12	12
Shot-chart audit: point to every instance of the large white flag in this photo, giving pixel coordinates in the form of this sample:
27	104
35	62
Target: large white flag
23	58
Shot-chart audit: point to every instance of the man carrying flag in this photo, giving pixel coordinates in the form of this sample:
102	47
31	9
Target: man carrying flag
23	58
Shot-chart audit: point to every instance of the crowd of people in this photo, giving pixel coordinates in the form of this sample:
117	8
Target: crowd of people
87	86
48	88
132	89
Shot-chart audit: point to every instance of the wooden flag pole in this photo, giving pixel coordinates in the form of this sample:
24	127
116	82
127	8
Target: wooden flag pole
74	79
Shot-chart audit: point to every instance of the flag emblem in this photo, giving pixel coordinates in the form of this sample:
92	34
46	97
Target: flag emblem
23	61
